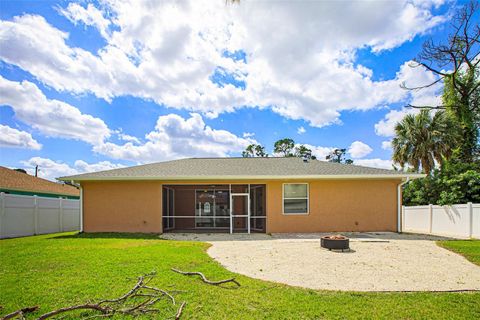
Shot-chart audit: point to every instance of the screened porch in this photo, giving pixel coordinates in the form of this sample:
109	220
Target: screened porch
214	208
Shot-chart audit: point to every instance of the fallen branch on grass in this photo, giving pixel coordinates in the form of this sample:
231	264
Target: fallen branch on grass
140	300
180	310
96	307
204	279
20	313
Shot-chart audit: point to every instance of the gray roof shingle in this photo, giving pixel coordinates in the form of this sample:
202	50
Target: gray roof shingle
240	168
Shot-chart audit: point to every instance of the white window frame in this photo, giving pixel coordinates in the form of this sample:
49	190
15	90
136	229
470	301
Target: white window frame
307	198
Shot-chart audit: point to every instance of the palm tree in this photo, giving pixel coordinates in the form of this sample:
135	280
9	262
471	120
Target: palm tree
421	140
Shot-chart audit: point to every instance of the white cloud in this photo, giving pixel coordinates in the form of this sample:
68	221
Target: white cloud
10	137
35	46
173	136
176	137
386	126
82	166
90	16
48	169
320	152
386	145
301	130
51	169
127	137
375	163
413	20
248	134
168	51
412	77
358	149
53	118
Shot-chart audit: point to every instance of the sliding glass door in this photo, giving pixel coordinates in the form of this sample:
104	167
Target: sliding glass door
212	209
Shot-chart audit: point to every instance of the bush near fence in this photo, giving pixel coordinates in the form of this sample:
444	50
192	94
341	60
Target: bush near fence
29	215
459	220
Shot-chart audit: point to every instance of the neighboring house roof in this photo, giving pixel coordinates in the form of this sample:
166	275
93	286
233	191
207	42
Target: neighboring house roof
241	168
11	180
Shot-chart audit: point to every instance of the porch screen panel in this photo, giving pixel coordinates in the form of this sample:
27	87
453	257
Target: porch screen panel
257	207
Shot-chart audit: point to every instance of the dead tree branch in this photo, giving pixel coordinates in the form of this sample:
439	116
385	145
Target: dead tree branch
137	286
204	279
426	107
162	292
96	307
454	59
20	313
180	310
139	300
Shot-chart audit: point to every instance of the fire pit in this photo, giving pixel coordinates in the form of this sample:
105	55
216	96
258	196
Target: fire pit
336	242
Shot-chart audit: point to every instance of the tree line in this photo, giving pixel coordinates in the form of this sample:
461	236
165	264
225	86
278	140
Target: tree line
287	148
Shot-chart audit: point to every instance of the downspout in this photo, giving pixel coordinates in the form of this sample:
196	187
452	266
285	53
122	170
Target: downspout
399	202
81	208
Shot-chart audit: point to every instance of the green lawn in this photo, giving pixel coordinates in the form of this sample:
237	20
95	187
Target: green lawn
53	271
470	249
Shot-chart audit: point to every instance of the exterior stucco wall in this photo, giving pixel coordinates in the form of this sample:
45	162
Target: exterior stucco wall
334	205
122	206
337	205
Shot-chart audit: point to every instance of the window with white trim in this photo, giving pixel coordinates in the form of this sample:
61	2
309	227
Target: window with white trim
295	198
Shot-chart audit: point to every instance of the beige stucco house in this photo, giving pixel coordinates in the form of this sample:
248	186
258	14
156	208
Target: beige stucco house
241	195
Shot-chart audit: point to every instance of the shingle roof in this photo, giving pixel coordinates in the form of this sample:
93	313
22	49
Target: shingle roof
19	181
239	168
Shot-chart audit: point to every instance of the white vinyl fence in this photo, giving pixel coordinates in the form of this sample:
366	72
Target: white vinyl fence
29	215
459	220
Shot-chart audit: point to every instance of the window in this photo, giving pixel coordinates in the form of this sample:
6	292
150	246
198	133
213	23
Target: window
295	198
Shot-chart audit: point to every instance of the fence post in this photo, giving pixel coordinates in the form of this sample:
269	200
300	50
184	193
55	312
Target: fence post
60	214
430	215
403	219
470	219
35	214
2	211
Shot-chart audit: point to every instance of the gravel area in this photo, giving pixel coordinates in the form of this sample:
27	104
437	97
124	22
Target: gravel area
376	262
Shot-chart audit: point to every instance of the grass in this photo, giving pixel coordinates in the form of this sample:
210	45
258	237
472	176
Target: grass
53	271
470	249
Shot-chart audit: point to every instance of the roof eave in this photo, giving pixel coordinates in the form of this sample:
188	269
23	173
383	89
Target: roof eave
40	191
246	177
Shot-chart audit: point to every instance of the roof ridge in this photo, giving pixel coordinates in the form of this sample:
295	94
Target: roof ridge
269	157
231	167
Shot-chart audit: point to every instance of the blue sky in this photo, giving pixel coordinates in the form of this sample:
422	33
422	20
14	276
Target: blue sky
90	86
